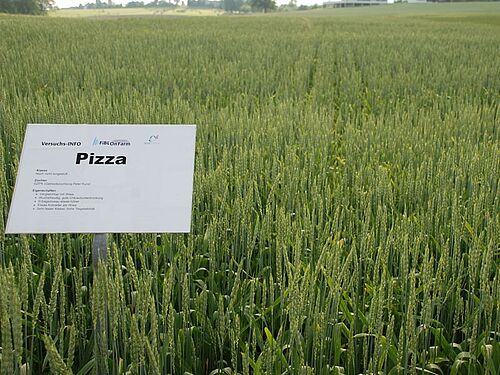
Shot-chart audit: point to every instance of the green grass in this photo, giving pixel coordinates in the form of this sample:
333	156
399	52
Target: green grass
346	210
133	12
481	20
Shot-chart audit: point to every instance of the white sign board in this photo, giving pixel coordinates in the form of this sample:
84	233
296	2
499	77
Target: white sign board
104	179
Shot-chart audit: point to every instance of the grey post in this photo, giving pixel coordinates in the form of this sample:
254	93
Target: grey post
99	249
100	254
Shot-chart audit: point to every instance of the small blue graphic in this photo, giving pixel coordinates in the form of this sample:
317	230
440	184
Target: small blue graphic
114	142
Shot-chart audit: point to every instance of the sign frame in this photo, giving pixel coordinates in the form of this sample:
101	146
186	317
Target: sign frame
155	160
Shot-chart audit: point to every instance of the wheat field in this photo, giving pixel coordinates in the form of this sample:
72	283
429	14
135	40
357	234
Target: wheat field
346	207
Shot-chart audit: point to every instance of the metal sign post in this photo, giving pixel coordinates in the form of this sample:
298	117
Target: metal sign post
100	255
99	249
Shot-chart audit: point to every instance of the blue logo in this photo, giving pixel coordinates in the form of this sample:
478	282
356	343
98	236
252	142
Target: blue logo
114	142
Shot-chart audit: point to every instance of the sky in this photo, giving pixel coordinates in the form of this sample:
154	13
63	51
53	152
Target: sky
73	3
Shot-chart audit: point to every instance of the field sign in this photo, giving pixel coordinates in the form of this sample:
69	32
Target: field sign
104	179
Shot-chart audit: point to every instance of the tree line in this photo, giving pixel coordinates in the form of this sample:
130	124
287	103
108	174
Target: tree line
41	6
234	6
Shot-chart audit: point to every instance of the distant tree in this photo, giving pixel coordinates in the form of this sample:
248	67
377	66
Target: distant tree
245	7
98	4
232	5
25	6
197	4
263	5
46	4
165	4
207	4
135	4
6	6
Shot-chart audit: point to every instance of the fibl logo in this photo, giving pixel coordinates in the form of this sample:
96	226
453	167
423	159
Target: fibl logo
115	142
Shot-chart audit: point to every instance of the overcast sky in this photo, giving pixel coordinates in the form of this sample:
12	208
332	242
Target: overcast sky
72	3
